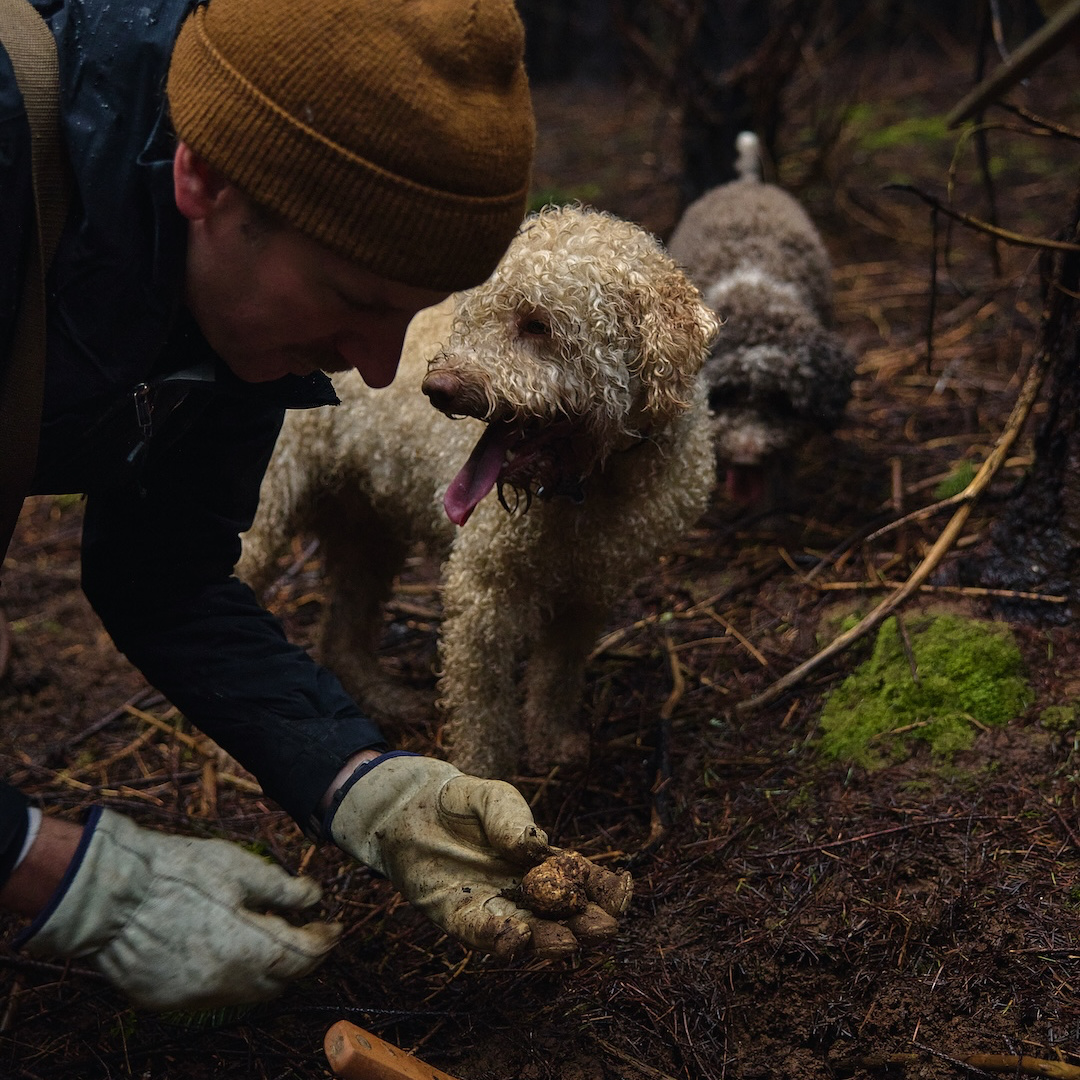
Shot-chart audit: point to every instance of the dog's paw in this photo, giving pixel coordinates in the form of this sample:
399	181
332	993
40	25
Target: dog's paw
562	748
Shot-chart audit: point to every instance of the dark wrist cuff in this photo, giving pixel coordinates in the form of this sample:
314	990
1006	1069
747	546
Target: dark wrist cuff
360	771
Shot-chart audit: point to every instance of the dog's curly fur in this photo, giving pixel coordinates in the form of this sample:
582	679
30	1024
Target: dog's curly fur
778	372
574	372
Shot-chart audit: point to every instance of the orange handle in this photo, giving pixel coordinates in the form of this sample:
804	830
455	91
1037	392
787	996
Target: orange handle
356	1054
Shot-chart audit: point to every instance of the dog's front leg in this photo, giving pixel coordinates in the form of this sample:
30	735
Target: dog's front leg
283	498
361	556
554	685
480	644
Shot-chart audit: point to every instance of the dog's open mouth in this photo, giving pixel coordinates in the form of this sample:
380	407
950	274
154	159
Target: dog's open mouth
538	463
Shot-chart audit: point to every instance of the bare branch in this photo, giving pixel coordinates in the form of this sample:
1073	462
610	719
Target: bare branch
1020	239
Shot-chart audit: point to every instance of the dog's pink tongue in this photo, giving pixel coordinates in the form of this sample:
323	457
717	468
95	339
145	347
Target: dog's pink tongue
478	475
746	484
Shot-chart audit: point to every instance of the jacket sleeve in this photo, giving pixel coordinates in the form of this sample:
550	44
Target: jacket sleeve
158	570
16	220
16	203
13	825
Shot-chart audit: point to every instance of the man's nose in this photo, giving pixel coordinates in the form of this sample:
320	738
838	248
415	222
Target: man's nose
375	355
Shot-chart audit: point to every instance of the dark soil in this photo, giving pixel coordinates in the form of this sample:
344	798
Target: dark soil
793	917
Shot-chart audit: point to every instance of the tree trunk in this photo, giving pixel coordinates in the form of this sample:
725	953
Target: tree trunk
717	107
569	39
1035	545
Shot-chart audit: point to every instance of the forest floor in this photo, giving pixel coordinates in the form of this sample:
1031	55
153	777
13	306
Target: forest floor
794	916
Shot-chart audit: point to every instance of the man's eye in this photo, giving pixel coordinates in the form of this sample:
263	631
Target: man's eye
536	327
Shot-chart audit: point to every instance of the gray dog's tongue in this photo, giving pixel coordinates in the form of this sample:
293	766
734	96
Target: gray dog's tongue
478	475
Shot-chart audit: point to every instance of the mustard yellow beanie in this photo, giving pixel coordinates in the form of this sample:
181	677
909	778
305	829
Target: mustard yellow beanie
397	133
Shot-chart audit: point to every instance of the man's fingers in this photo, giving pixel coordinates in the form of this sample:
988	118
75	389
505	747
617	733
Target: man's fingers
491	924
552	940
593	926
265	884
609	890
300	948
493	812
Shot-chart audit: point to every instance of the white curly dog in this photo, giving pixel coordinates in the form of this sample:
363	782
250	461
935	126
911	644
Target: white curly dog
581	451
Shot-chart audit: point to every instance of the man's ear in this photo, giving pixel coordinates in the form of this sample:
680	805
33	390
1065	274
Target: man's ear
196	186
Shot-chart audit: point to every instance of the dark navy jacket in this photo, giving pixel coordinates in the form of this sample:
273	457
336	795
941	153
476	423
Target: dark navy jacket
140	415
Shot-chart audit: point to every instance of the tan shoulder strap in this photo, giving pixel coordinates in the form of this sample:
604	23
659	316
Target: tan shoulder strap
31	48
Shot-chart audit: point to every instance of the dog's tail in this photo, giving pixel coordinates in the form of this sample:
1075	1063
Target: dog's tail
748	156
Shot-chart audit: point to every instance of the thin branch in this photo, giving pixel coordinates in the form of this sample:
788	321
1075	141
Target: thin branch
1050	126
1024	1064
1020	239
640	1066
828	845
951	590
916	515
1047	40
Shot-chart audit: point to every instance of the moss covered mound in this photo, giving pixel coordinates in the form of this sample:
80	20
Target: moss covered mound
967	674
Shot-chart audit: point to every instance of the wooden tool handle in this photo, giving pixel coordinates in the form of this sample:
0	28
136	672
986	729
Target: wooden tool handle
356	1054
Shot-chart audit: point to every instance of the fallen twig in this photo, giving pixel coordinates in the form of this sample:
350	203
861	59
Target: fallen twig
1059	1070
617	635
954	590
1064	824
916	515
678	682
1024	1064
145	697
1040	121
291	571
626	1059
862	837
1009	1063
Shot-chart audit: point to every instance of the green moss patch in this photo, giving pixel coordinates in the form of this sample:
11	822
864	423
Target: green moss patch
967	674
962	473
1059	718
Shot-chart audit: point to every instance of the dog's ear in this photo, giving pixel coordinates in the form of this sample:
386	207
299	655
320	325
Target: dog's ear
675	330
825	368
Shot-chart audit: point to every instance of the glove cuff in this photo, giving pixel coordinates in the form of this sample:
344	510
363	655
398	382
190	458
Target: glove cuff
89	828
106	881
360	771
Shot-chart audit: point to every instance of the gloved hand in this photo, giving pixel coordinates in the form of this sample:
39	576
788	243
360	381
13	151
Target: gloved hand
175	922
457	847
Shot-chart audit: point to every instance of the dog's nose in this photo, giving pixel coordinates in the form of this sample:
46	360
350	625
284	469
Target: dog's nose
443	388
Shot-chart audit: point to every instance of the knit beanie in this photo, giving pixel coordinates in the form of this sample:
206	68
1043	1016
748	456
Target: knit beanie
397	133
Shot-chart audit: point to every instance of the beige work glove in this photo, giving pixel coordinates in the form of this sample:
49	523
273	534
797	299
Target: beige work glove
179	923
457	848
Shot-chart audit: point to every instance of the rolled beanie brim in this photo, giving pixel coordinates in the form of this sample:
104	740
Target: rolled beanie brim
391	225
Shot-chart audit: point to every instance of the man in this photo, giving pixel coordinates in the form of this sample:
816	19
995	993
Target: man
309	175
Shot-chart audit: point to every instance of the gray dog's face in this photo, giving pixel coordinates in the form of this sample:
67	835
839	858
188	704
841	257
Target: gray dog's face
583	341
768	396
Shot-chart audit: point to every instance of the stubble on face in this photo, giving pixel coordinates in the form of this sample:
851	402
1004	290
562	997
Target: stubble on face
272	302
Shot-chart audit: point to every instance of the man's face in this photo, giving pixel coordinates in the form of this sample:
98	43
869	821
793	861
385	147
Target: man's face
272	302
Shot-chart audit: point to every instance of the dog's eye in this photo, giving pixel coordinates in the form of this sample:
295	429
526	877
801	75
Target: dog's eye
536	328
